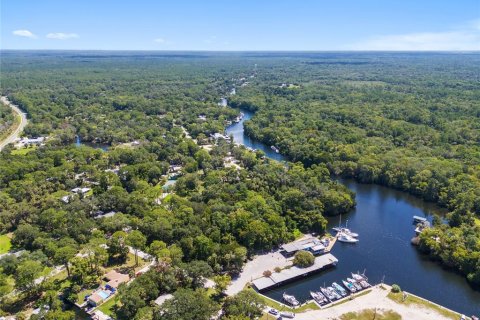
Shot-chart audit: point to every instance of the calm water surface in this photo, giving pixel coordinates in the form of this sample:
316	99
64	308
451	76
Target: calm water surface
383	219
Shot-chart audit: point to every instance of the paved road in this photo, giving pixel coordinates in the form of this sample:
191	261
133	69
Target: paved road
23	122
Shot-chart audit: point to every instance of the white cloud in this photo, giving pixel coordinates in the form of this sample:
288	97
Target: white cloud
466	37
61	35
210	40
24	33
159	40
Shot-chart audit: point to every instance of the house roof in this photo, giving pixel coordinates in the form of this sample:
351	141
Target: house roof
95	298
161	299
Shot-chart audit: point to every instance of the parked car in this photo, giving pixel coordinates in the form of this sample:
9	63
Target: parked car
273	311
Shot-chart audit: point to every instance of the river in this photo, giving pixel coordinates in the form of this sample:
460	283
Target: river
383	219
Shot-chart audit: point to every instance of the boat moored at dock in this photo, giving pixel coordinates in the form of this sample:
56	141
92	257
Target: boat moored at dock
318	297
339	289
343	237
355	284
290	300
349	286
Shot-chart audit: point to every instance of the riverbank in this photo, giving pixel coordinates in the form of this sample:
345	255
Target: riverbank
383	219
17	128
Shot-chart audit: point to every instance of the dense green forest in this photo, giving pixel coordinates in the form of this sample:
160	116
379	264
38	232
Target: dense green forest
411	122
7	119
408	121
213	220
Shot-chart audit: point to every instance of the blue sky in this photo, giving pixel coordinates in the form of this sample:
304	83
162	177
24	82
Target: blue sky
241	24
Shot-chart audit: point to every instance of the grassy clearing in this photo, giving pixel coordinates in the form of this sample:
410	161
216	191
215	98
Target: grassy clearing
107	307
23	151
5	243
369	314
398	297
273	304
82	294
130	263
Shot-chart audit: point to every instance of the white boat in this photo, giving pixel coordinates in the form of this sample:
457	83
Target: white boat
275	149
287	314
290	299
327	293
318	297
334	293
339	289
355	284
343	237
346	231
358	277
419	219
349	286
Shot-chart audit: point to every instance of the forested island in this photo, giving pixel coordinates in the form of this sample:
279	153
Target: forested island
200	206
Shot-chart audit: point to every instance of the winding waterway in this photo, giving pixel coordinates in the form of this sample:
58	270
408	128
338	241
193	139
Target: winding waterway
383	218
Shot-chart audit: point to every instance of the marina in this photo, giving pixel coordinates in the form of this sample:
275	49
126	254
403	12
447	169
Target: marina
326	295
383	218
290	274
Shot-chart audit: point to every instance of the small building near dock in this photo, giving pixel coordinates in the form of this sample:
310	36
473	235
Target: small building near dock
312	244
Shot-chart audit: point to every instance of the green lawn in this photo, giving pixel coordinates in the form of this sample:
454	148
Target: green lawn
23	151
273	304
107	307
5	243
398	297
369	314
82	294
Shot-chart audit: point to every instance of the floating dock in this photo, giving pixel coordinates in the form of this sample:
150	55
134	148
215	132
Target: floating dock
419	219
292	273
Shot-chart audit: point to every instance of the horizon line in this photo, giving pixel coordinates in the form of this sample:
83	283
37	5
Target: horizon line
231	51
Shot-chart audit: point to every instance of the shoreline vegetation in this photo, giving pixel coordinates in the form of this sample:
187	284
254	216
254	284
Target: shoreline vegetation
201	206
404	134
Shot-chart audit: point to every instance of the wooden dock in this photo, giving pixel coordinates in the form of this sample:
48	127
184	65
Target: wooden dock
332	240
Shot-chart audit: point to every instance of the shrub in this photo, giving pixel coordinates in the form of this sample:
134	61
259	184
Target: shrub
267	273
303	259
396	288
277	269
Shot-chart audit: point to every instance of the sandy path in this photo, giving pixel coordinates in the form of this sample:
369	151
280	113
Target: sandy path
23	122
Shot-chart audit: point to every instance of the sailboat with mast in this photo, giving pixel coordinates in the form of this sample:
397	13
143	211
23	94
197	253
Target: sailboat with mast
345	229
